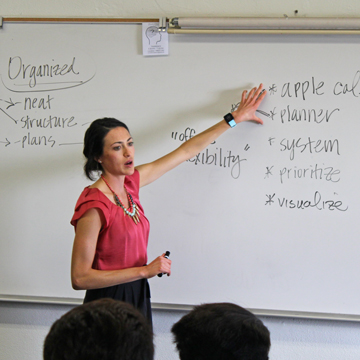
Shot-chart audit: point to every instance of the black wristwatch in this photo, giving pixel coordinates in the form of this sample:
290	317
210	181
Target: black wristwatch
230	120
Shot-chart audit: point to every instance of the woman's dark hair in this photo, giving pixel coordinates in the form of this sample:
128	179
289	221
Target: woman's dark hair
94	143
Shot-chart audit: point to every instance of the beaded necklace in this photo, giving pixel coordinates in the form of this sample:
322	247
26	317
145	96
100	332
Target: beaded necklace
134	213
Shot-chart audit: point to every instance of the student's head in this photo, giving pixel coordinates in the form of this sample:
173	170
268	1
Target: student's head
221	331
104	329
94	143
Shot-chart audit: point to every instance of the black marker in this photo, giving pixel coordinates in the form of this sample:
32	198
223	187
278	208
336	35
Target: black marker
167	254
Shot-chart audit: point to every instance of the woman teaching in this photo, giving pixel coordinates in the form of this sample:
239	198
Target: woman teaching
109	257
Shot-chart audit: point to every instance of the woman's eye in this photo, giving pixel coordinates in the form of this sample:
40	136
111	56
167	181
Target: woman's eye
131	143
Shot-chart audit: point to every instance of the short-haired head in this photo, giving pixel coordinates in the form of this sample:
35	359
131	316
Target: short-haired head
94	143
221	331
104	329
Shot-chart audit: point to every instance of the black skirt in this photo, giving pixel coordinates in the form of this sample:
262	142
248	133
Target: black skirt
136	293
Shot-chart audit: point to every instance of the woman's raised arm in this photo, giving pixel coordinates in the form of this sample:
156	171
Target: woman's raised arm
246	111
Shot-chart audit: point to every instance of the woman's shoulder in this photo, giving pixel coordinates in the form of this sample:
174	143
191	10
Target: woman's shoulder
91	197
133	181
92	194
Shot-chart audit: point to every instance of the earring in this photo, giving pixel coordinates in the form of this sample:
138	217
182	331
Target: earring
100	162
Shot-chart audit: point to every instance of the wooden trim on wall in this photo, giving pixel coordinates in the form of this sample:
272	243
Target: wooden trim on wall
78	20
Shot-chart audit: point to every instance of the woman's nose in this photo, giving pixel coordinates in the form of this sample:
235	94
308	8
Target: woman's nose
126	152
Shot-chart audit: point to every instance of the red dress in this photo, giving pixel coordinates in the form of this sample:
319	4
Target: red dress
121	243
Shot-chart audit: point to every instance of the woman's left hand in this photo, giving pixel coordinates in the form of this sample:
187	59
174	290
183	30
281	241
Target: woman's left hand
190	148
249	104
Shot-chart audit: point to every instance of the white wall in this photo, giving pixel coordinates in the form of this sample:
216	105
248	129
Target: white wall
173	8
23	326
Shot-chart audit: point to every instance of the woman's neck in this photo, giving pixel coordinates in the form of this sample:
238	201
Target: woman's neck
116	183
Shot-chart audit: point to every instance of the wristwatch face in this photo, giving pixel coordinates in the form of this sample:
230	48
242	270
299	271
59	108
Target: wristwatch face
230	120
232	123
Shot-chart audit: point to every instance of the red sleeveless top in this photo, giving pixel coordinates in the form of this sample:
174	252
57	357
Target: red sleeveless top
121	243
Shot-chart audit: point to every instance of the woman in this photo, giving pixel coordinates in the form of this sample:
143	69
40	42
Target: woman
111	231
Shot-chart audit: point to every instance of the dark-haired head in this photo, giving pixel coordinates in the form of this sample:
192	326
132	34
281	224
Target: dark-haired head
94	143
104	329
221	331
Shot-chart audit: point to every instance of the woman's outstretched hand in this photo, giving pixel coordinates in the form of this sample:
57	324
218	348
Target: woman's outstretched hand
249	104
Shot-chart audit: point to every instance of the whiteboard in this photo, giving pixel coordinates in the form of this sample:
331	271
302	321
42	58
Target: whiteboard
266	217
